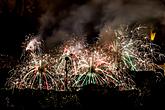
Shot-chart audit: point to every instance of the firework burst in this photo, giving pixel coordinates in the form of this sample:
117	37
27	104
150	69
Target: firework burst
83	65
36	71
76	64
137	50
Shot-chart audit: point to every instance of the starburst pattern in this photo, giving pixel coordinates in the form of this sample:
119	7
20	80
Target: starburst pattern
76	64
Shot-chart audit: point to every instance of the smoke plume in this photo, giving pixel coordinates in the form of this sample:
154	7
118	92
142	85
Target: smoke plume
93	17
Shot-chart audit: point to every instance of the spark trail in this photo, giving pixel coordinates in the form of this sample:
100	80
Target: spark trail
76	64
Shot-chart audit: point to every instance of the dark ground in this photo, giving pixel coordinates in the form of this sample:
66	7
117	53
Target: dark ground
150	94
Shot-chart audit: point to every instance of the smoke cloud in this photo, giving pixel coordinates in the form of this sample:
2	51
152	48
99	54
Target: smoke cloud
92	17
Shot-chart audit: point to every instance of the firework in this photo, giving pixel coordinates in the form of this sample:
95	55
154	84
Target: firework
68	57
40	74
32	47
132	49
138	51
76	64
36	71
83	65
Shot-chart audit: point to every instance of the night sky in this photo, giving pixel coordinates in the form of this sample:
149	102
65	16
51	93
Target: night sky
55	20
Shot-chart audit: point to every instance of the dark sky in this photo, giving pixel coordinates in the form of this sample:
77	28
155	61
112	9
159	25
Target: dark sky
55	20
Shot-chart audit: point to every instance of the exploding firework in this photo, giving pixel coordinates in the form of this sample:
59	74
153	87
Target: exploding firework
35	74
76	64
36	71
68	57
137	50
94	68
83	65
33	46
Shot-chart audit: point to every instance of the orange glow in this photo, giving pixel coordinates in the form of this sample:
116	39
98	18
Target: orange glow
163	67
152	36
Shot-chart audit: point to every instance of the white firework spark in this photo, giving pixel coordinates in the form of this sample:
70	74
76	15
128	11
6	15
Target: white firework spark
77	64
